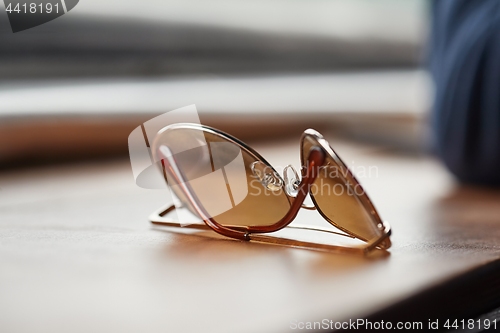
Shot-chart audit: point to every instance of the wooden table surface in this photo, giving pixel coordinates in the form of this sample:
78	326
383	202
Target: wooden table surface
77	253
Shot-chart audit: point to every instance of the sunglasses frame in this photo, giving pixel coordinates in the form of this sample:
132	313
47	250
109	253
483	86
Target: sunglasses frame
316	158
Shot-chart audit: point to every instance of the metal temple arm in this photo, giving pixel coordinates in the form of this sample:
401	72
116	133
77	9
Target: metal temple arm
159	217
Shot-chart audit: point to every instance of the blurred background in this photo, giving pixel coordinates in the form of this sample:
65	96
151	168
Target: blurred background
76	249
75	87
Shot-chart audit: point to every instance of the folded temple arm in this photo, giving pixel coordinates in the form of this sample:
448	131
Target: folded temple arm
160	217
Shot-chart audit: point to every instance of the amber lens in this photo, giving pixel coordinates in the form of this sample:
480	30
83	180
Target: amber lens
234	186
339	197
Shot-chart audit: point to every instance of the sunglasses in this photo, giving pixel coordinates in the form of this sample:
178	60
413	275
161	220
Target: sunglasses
231	188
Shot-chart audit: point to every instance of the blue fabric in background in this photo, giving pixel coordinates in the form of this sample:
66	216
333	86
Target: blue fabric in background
465	65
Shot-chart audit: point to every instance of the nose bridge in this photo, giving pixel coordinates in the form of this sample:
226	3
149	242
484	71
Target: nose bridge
292	182
266	175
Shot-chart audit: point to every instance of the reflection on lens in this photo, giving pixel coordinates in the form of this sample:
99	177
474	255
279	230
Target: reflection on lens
338	198
223	177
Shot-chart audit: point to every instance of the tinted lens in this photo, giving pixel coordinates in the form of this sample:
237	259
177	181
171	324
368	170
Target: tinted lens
339	197
235	187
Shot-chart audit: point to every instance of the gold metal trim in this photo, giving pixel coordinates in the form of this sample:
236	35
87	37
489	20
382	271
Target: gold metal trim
159	218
